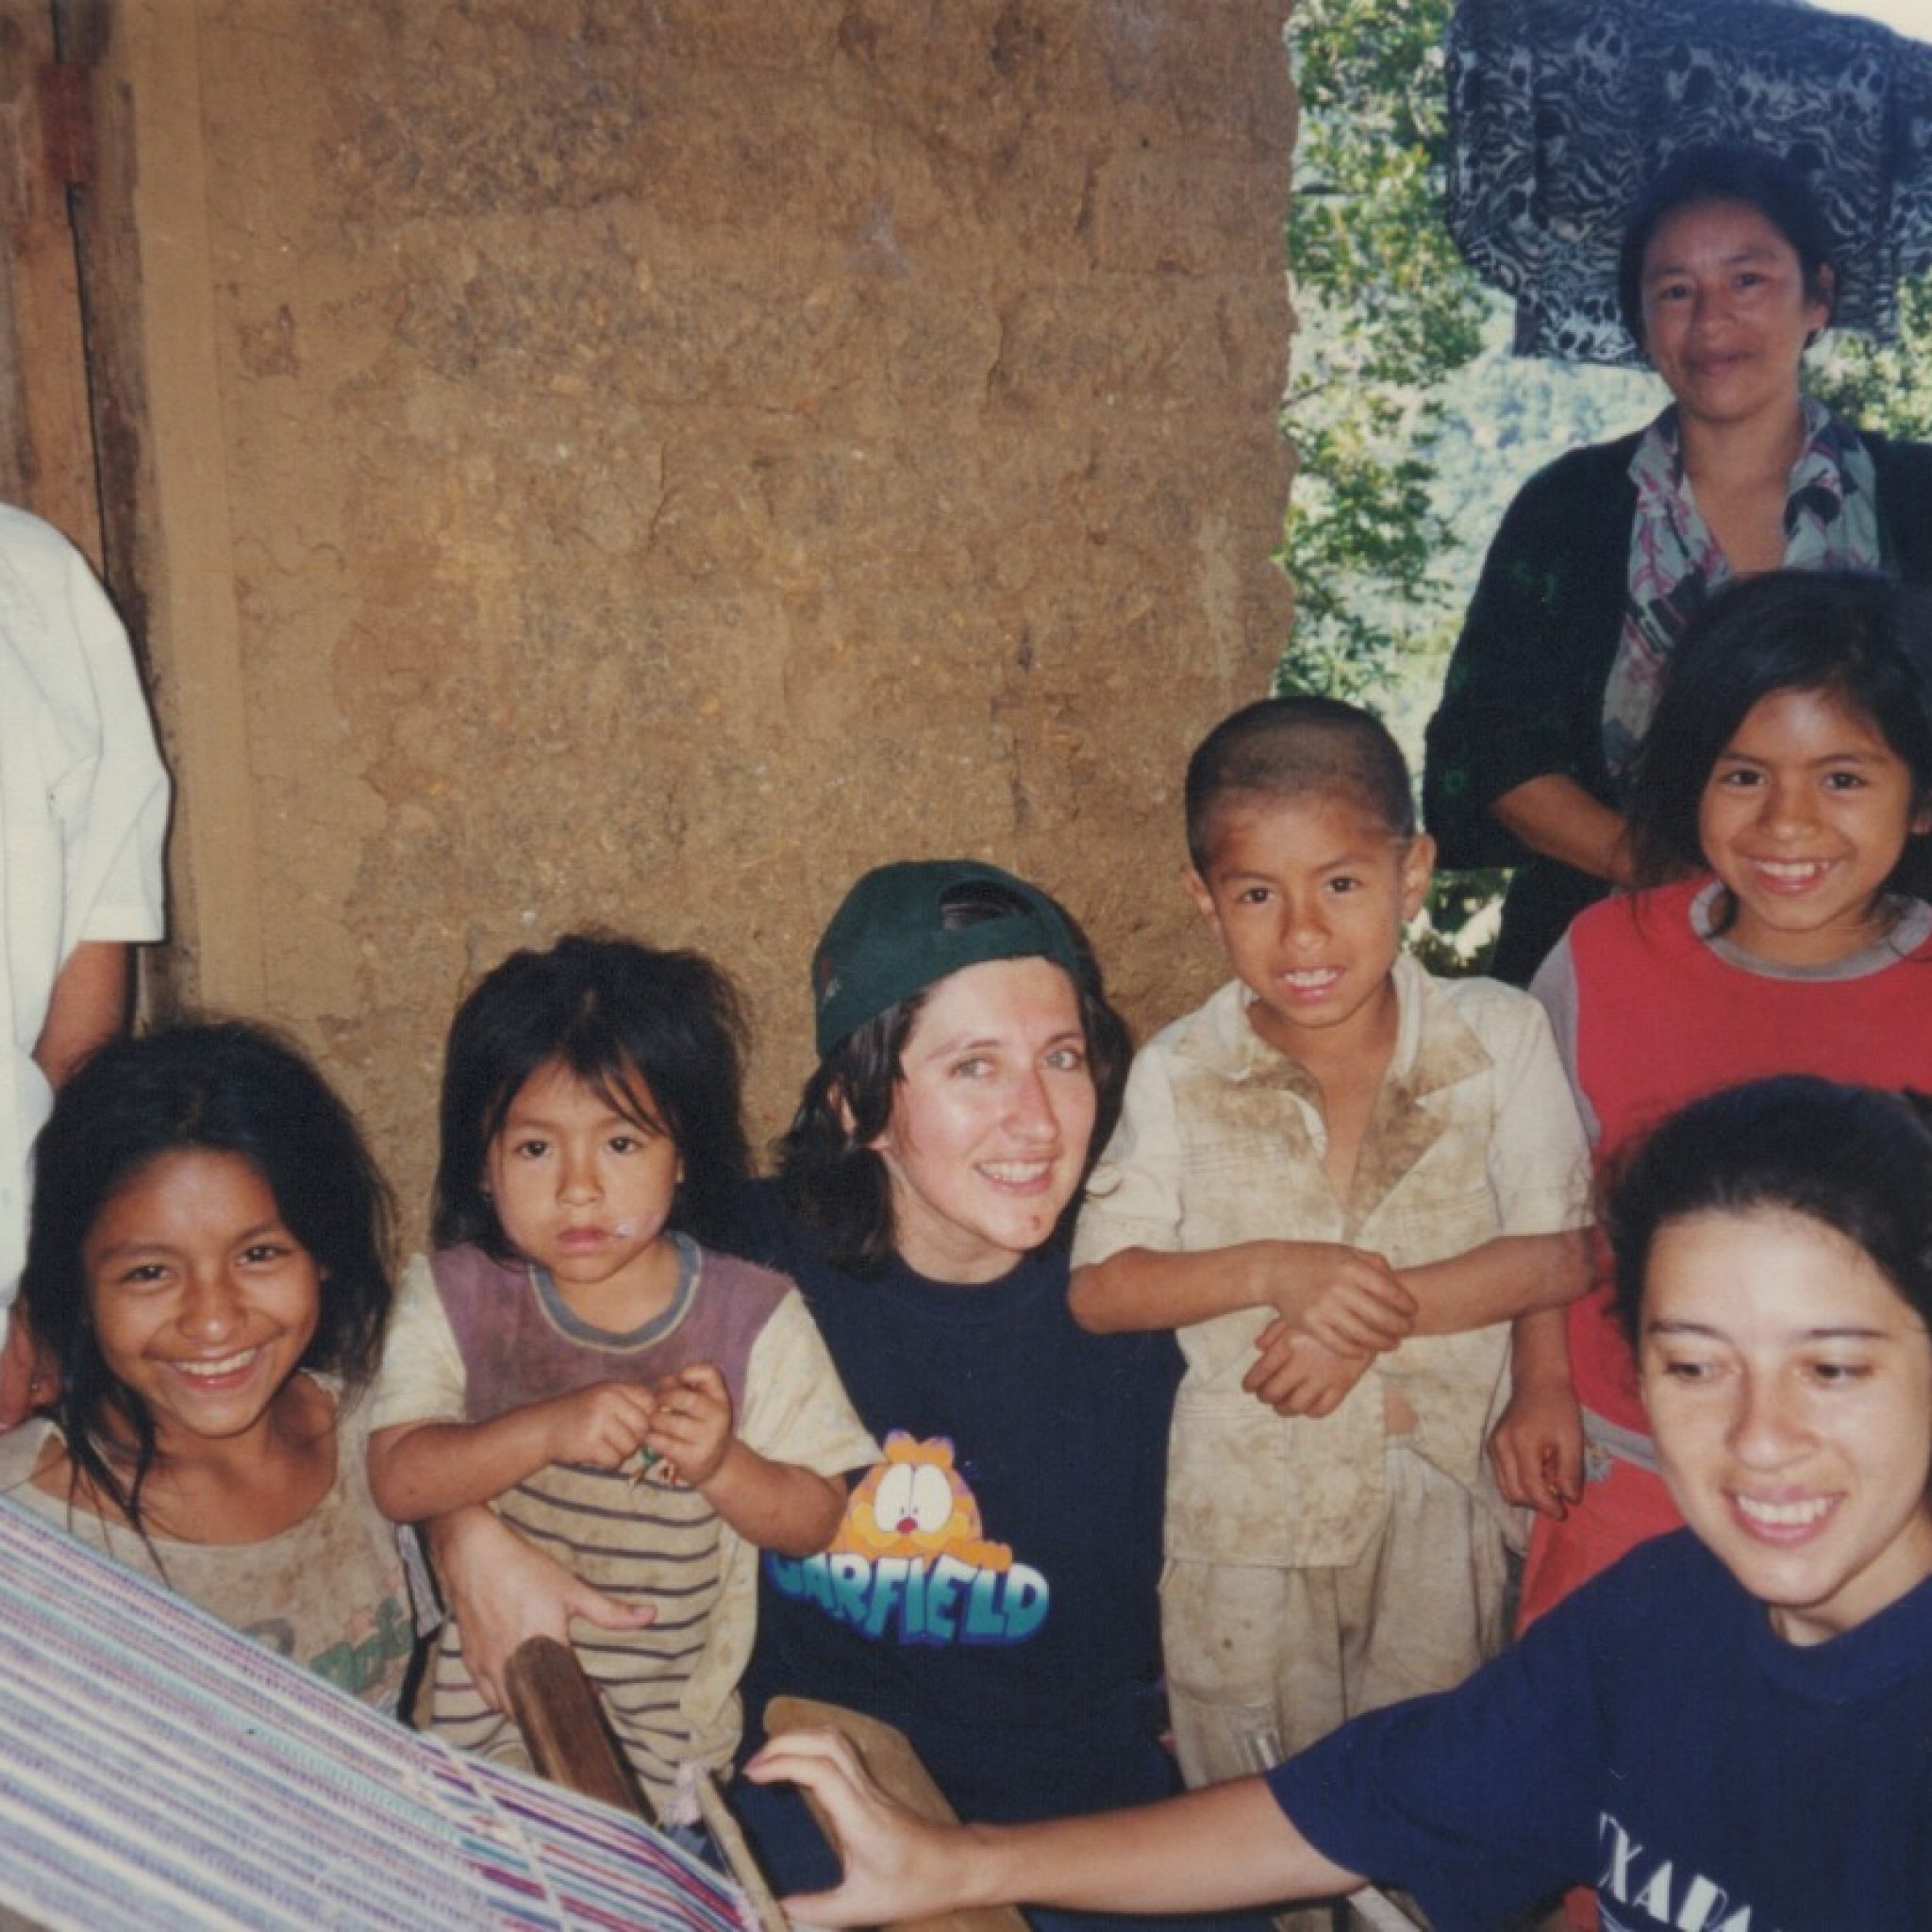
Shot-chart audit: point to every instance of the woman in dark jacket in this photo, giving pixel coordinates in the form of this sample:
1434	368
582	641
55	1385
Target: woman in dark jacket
1725	278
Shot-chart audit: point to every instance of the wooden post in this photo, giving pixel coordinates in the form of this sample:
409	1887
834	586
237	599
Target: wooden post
46	439
152	328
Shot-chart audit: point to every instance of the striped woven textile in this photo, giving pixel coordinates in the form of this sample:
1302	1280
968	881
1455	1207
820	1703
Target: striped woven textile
159	1771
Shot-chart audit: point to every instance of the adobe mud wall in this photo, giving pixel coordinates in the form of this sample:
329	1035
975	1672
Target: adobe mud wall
638	464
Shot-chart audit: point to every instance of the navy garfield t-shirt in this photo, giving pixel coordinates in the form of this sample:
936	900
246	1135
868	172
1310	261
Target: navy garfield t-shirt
991	1589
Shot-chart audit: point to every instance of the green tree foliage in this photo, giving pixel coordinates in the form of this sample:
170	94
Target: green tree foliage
1885	385
1383	392
1387	313
1388	316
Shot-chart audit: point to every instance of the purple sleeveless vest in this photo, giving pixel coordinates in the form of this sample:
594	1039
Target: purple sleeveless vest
515	1353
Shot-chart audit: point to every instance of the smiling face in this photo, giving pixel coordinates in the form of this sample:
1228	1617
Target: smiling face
1725	313
1309	896
1804	817
1789	1388
584	1190
203	1302
990	1120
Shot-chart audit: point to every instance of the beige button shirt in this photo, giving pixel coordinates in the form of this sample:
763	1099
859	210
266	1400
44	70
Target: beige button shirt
1474	1135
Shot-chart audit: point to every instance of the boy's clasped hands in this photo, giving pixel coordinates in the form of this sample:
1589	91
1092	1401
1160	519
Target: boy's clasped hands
1337	1308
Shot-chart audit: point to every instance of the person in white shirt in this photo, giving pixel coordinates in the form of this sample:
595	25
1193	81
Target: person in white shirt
83	815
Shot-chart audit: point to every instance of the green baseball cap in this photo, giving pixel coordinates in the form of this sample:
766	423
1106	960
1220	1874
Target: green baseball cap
890	937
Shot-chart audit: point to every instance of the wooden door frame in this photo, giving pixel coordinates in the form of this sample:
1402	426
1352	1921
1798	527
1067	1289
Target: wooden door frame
110	418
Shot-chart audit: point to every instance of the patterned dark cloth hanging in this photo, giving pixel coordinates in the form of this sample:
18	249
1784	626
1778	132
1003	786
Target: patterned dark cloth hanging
1561	110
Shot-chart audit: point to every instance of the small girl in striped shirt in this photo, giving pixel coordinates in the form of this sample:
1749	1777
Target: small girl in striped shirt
648	1412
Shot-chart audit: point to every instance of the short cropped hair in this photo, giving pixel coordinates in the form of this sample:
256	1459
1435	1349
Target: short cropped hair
1283	748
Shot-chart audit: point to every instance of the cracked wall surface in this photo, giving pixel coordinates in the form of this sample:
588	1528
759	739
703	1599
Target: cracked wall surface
680	454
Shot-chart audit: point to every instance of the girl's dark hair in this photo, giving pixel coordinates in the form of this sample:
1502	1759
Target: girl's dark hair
610	1011
1849	1159
1865	640
225	1088
1726	172
834	1181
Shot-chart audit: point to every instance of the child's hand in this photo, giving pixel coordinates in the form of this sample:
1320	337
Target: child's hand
599	1426
691	1427
1345	1298
1537	1449
1295	1375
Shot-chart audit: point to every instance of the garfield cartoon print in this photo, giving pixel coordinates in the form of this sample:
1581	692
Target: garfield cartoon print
911	1561
990	1589
916	1504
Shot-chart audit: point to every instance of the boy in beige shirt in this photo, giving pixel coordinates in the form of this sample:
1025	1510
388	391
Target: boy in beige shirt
1338	1181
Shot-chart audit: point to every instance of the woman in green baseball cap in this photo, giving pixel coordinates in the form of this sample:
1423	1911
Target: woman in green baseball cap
959	1168
991	1590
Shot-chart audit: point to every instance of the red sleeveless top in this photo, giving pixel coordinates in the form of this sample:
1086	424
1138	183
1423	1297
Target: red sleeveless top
1662	1018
